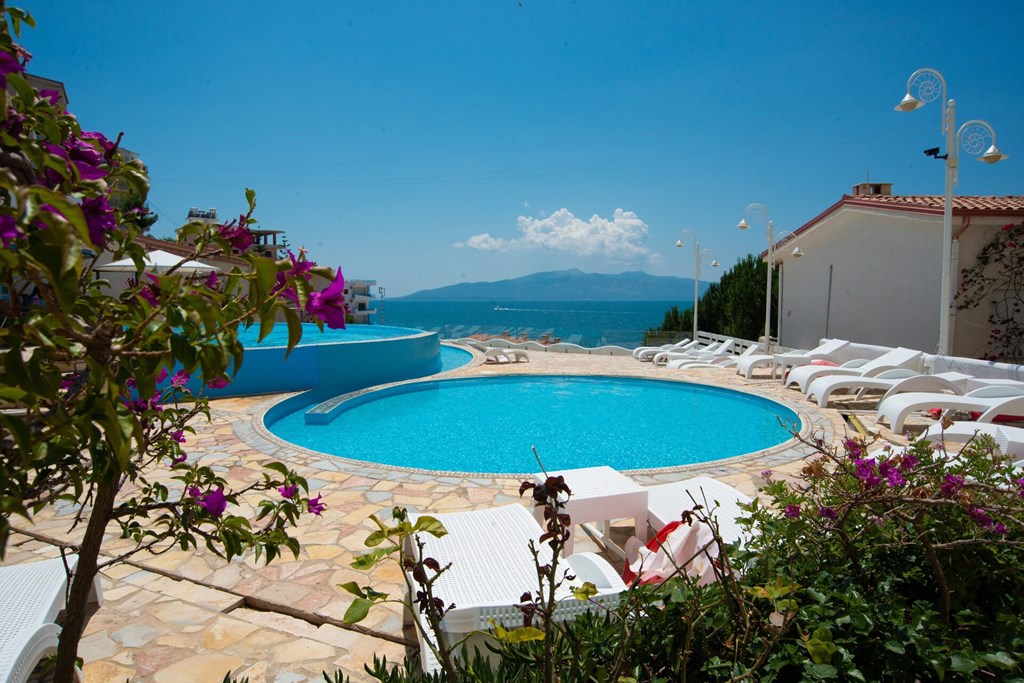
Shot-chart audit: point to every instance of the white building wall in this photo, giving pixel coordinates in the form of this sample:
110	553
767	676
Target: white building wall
885	280
971	330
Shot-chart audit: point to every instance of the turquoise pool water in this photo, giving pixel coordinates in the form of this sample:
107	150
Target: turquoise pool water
490	424
453	358
311	335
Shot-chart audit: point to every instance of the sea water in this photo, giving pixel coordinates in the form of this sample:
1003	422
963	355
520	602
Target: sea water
587	323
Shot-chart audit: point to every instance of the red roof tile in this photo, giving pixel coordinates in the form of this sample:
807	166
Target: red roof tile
988	204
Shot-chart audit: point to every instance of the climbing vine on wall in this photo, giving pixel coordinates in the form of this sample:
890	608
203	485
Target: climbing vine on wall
997	277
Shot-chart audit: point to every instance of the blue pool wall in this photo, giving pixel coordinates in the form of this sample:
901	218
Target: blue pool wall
332	368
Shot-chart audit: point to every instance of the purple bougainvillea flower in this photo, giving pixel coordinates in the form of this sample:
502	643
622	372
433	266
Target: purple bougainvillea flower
827	513
315	506
217	382
214	502
51	95
237	233
13	123
908	462
9	230
150	292
288	491
99	217
212	280
162	375
180	379
792	511
9	64
195	491
952	486
329	305
178	436
177	460
766	474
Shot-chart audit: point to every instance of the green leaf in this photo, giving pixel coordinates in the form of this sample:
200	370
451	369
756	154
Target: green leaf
357	611
12	393
375	538
294	329
585	592
430	525
962	664
353	588
278	467
1003	660
523	635
368	560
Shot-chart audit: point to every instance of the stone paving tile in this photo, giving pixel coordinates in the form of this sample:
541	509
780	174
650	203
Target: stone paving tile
179	616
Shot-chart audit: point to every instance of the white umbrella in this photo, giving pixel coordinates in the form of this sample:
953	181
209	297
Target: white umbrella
158	261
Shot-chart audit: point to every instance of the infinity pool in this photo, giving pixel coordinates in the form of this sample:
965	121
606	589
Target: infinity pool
490	424
311	335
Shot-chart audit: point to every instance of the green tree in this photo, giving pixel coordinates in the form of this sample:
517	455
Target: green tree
135	208
733	306
94	388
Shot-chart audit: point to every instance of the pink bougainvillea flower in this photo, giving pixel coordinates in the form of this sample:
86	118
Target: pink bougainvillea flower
237	233
195	491
329	305
217	382
9	230
162	375
178	436
180	379
315	506
13	123
827	513
214	502
288	491
99	217
149	291
212	280
51	95
177	460
9	64
792	511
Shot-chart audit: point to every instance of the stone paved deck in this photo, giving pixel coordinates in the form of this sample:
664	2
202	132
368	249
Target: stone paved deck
189	616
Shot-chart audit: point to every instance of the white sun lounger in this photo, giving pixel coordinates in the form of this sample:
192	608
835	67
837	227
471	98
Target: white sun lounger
492	567
666	502
895	381
823	352
705	352
647	353
896	358
725	361
32	595
990	401
1009	439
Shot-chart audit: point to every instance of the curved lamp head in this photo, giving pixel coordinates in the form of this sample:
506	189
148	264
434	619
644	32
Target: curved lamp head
714	263
992	155
679	243
743	225
909	103
797	253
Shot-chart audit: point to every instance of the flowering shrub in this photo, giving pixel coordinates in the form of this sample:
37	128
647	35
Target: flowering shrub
898	565
94	387
997	277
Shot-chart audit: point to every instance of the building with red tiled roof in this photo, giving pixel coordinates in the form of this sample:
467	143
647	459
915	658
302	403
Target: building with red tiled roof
871	270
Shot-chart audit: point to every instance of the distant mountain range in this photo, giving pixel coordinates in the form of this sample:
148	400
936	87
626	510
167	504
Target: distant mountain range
567	285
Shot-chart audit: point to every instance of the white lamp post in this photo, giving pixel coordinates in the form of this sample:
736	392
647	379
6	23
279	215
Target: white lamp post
697	254
930	85
758	213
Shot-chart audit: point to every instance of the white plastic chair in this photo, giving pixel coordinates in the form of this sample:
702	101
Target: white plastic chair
31	596
990	401
492	567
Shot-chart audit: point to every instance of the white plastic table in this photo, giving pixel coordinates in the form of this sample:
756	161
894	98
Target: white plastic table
600	494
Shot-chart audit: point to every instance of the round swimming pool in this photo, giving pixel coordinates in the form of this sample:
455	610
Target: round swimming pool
490	424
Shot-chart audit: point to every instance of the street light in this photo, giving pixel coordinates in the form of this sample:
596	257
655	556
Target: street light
697	254
759	213
930	85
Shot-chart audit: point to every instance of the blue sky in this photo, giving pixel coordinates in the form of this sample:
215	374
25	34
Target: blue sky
428	143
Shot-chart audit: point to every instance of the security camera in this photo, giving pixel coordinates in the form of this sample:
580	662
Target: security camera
934	153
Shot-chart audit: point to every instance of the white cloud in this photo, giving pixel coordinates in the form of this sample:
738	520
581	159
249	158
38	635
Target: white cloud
622	236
